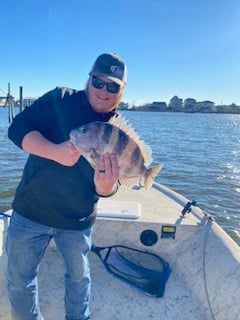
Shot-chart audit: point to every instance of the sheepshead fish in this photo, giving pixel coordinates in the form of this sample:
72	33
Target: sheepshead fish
118	137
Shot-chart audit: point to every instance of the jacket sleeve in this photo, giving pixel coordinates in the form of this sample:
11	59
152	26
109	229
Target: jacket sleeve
37	117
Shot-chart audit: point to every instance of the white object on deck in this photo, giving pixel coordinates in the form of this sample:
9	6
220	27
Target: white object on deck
118	209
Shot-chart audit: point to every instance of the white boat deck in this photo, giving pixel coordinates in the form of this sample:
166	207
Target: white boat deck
198	287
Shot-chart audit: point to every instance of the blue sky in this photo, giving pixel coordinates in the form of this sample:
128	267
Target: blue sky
172	47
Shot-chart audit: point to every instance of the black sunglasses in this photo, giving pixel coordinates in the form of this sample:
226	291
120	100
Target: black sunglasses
112	87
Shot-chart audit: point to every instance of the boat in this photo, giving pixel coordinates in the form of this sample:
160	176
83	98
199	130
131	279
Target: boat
204	282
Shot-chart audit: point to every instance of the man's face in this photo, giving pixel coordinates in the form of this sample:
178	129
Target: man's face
103	94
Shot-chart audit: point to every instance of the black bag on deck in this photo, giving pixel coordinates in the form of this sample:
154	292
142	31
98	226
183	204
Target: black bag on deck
140	269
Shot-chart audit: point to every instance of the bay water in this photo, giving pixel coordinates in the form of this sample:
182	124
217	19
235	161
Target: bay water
200	154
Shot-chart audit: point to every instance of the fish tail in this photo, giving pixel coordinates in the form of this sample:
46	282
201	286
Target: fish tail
150	175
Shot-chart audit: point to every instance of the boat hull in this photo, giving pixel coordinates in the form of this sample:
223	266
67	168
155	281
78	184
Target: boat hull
204	282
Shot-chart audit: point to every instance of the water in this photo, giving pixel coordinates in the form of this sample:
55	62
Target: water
200	153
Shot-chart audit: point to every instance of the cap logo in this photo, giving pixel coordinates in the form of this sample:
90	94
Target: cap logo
117	71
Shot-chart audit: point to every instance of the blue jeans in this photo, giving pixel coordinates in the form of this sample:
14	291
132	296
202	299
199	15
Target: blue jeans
26	245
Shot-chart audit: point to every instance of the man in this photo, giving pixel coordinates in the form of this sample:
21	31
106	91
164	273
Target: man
58	192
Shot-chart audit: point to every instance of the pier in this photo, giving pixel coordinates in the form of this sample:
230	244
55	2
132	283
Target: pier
8	101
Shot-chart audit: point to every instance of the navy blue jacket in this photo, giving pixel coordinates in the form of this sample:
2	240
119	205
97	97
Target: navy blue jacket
49	193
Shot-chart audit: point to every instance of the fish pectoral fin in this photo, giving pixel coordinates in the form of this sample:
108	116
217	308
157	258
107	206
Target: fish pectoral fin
95	154
150	175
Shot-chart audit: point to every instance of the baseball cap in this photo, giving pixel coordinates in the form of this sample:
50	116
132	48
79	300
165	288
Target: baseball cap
111	66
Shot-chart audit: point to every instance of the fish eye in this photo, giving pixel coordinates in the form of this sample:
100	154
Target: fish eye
84	130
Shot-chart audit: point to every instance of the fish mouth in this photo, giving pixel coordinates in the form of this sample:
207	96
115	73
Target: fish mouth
72	140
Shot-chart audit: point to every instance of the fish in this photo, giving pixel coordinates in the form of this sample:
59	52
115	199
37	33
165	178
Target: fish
117	136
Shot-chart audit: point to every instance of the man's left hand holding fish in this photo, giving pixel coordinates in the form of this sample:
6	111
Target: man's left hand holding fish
106	175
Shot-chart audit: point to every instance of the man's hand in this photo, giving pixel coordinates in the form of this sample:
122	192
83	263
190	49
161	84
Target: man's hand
106	174
64	153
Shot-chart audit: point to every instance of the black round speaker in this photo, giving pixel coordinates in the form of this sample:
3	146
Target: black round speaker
148	237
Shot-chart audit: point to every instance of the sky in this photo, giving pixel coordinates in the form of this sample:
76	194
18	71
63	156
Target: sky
187	48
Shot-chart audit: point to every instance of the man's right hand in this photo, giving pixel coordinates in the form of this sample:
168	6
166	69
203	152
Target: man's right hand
64	153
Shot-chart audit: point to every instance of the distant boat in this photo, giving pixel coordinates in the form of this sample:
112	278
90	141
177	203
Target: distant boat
204	283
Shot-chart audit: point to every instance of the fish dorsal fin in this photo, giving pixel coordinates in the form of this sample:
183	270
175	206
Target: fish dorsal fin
121	123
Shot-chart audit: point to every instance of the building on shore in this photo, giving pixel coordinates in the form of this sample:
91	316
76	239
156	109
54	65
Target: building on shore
189	105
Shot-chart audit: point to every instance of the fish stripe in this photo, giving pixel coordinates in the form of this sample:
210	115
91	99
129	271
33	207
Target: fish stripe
136	155
121	143
135	161
107	132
